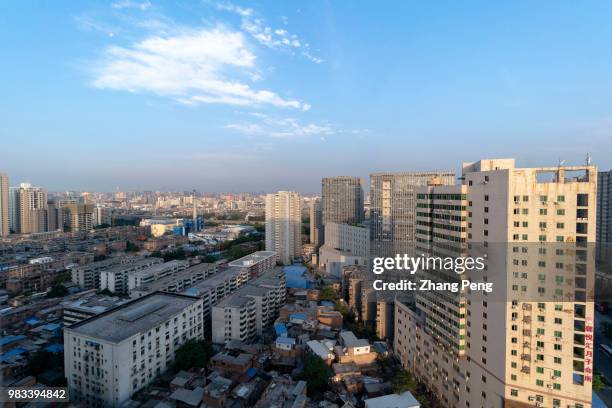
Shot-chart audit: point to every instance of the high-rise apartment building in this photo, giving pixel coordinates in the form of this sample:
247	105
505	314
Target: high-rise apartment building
251	310
111	356
529	342
316	222
29	209
604	215
342	200
4	205
392	208
284	225
79	217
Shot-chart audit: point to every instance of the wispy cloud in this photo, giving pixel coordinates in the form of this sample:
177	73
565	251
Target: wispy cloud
263	125
124	4
274	38
87	23
192	66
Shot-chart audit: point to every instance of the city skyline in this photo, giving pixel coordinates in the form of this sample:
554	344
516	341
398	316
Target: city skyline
223	96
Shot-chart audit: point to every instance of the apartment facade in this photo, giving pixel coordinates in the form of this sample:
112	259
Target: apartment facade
604	215
392	208
4	205
344	245
116	278
154	273
256	264
316	223
284	225
29	209
111	356
88	276
177	282
251	310
342	200
529	342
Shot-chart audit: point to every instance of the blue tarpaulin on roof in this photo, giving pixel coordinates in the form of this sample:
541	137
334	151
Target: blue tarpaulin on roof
55	348
11	339
251	372
12	353
298	277
297	316
32	320
280	329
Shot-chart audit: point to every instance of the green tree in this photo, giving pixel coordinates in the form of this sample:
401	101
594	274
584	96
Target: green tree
599	382
131	247
316	373
106	292
194	353
328	293
404	381
176	254
57	290
209	259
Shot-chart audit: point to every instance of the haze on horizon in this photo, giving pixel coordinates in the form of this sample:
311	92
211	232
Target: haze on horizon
220	96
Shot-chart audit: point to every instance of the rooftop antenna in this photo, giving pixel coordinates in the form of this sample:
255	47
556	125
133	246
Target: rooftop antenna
588	159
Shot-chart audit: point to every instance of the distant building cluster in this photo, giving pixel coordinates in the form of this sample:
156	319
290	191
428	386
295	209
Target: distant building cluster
273	294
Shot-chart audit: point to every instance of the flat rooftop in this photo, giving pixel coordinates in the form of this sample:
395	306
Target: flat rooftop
162	267
133	317
180	275
218	278
252	259
137	264
95	304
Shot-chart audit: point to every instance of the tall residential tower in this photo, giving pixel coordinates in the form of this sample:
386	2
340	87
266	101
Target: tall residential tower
342	200
4	205
529	342
284	225
392	208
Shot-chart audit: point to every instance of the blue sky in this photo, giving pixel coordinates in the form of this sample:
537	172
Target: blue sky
258	96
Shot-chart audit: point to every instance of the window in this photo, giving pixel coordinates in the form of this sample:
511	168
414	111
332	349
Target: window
540	370
582	200
560	198
540	383
514	392
560	211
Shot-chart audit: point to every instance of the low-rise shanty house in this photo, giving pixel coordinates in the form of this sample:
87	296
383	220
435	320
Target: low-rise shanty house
377	389
231	364
185	398
404	400
355	350
283	392
248	393
329	317
182	380
345	370
285	346
217	391
322	349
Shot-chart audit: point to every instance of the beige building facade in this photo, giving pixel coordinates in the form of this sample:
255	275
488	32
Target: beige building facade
530	341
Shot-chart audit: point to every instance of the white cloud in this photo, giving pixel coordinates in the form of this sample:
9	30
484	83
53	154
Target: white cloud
274	38
123	4
281	128
190	65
